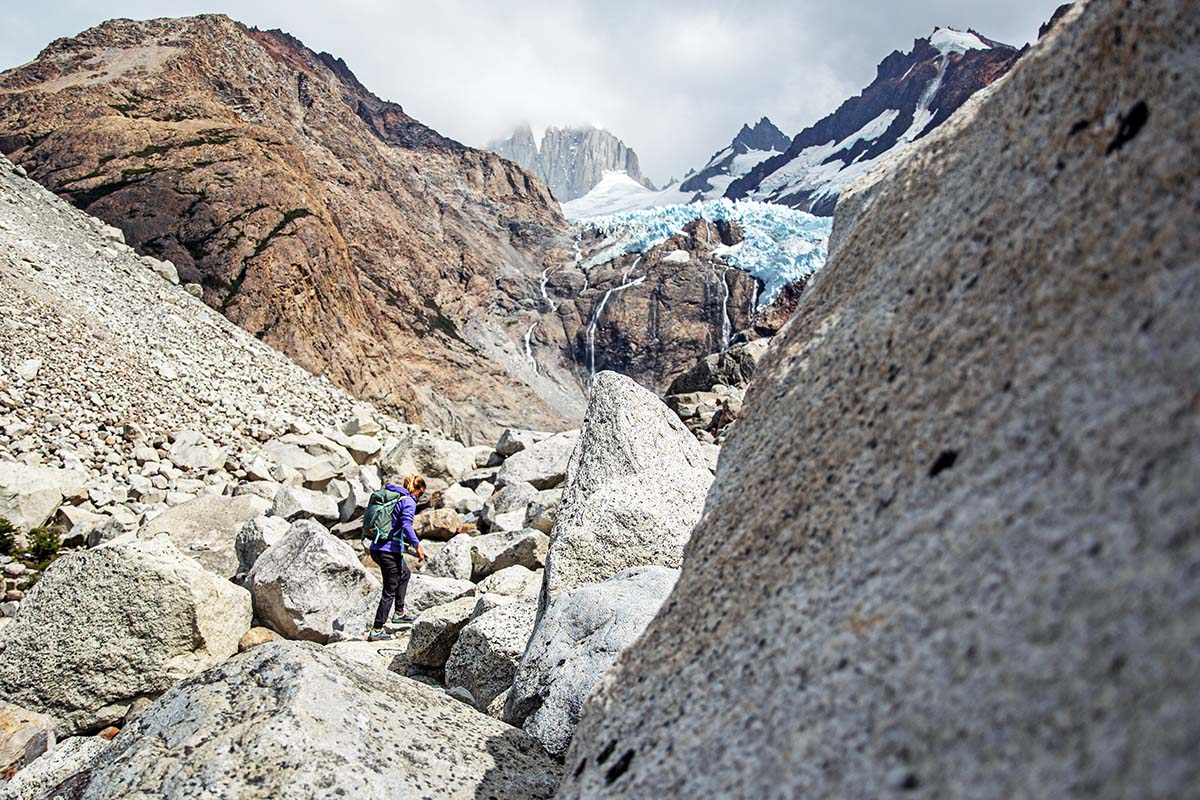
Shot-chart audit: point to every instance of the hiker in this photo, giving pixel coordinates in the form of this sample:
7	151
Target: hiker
389	524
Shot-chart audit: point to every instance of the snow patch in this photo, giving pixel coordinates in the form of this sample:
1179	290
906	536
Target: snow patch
949	41
677	257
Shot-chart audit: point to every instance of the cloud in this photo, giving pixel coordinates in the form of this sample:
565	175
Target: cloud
674	79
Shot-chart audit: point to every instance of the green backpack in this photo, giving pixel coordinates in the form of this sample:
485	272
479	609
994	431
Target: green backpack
377	520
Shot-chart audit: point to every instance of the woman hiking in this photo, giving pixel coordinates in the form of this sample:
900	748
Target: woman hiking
389	555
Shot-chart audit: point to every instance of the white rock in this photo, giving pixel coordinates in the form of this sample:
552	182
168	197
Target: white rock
301	583
196	452
543	465
29	495
420	453
514	440
495	551
294	502
296	720
28	370
256	537
141	617
578	637
514	581
69	757
207	528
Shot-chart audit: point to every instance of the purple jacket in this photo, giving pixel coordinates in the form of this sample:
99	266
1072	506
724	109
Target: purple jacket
402	519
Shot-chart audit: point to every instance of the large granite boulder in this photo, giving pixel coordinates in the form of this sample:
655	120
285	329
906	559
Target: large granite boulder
453	560
578	637
542	464
207	528
635	487
420	453
295	720
435	631
493	552
104	627
29	495
484	658
952	549
304	581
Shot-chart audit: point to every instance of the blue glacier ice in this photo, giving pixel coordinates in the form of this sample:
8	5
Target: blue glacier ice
781	244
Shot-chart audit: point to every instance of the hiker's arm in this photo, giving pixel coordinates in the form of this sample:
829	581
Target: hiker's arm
407	512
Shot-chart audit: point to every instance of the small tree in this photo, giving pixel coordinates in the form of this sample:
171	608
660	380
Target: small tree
8	535
44	542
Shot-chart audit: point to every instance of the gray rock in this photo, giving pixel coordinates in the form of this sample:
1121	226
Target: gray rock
514	440
732	367
542	465
510	499
70	756
435	631
207	528
305	580
541	513
474	478
420	453
427	591
578	637
635	488
255	538
952	544
274	722
194	451
514	581
484	657
30	495
453	560
495	551
293	502
141	616
386	655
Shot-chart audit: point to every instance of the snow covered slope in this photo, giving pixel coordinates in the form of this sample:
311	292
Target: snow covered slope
617	192
751	147
779	244
912	93
570	160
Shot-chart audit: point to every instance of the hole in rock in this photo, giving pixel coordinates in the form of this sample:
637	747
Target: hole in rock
1131	123
618	769
944	462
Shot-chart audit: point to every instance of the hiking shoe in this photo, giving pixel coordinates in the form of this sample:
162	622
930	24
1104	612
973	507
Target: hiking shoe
379	635
403	619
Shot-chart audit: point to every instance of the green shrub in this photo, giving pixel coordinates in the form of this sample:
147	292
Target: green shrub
8	536
44	542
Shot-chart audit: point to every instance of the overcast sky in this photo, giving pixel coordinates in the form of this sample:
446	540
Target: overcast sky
674	78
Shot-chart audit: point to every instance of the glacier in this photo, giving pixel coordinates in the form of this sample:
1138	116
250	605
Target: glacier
780	244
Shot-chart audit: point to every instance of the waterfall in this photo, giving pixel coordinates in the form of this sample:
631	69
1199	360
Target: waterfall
545	297
726	325
529	348
754	299
591	328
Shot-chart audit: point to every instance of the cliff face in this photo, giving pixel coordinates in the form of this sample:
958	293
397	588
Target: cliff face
322	219
911	95
570	160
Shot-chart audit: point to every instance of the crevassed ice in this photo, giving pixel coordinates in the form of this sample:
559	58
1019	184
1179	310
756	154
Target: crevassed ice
780	244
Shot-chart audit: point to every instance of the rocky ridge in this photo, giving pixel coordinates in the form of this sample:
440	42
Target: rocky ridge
571	161
912	94
320	218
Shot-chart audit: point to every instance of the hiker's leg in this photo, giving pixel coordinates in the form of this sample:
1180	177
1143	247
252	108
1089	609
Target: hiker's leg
402	579
391	578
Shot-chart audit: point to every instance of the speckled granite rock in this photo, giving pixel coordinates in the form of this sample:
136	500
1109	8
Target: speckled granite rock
293	720
106	626
952	544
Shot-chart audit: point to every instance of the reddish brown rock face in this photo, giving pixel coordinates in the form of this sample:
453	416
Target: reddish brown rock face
322	219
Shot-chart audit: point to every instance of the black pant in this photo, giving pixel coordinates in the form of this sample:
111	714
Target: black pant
395	583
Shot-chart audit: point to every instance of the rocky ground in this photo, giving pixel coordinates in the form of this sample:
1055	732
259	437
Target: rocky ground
181	493
948	549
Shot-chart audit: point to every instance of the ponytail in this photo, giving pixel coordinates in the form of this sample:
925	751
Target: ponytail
413	484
